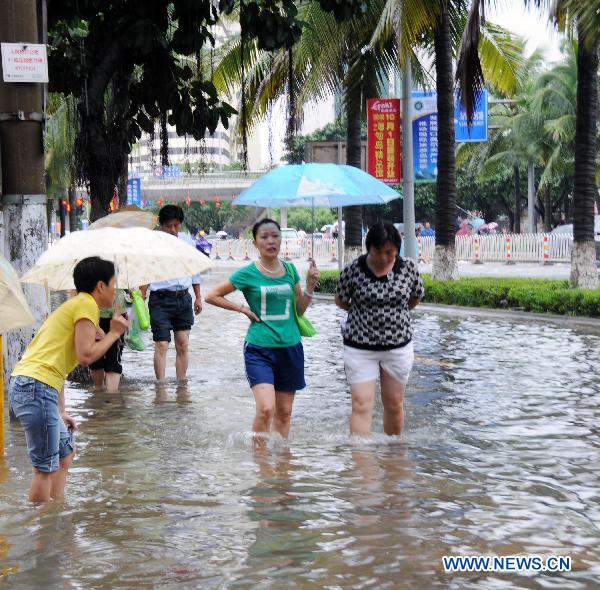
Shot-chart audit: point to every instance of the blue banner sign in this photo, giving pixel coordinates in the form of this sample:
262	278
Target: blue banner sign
425	128
478	131
134	191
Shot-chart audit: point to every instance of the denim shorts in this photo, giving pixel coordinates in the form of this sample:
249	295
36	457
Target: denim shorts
35	404
281	367
169	312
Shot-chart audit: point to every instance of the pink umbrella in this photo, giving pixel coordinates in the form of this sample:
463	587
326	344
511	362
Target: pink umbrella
464	229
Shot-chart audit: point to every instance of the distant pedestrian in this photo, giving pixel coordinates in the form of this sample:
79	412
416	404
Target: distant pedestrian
427	231
107	370
378	290
170	305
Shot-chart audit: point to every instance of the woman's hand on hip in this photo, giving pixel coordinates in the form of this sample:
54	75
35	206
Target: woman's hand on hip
249	313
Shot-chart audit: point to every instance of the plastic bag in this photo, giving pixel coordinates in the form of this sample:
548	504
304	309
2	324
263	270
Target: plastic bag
304	325
141	310
133	338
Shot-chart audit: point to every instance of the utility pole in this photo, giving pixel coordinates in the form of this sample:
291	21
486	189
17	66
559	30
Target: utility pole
408	185
22	184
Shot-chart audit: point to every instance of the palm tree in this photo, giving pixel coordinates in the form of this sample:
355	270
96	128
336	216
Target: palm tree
329	57
436	27
59	142
583	20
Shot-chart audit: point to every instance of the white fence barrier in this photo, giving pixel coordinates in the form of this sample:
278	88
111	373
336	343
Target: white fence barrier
491	248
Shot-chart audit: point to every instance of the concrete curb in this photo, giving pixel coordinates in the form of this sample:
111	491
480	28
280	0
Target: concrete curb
506	314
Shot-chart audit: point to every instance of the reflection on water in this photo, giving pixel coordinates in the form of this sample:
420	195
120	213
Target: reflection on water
500	456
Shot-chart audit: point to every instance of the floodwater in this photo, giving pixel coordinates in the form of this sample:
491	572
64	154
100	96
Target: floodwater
500	456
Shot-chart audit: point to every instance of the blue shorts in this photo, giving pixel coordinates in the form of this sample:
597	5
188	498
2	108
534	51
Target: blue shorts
170	310
35	404
281	367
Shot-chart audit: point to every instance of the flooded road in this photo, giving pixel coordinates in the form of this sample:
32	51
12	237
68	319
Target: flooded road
500	456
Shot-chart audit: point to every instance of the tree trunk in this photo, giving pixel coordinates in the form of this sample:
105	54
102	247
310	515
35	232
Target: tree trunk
517	200
22	174
444	259
122	184
102	140
583	258
353	215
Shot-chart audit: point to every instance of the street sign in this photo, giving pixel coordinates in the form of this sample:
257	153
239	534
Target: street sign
171	171
24	62
478	131
134	191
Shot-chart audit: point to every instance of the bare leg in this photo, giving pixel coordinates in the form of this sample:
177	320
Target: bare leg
264	396
392	396
160	359
98	378
363	398
41	484
112	382
284	401
59	478
182	339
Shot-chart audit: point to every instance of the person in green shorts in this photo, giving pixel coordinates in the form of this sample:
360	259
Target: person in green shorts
36	391
273	352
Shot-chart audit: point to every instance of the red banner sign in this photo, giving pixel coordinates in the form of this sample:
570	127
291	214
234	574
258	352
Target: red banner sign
384	139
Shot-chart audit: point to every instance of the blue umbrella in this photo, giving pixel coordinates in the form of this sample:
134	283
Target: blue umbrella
476	222
316	185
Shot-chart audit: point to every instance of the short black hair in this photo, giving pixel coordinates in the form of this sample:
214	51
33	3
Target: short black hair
90	271
264	221
381	233
169	212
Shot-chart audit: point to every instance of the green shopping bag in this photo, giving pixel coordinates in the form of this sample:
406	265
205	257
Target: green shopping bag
303	323
133	338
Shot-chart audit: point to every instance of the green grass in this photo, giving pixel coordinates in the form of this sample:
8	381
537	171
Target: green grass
537	295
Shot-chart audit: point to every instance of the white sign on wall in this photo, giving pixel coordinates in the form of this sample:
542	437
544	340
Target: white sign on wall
24	62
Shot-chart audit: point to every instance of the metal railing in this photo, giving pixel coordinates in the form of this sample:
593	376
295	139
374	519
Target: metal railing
486	248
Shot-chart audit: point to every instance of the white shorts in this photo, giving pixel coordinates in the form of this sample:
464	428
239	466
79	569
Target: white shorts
363	366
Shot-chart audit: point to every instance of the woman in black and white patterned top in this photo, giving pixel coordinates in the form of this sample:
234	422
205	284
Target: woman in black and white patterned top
378	290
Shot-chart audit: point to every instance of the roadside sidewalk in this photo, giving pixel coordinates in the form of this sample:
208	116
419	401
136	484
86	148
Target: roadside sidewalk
500	314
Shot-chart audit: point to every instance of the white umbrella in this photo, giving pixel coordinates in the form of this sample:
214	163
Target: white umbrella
14	310
130	217
141	256
14	313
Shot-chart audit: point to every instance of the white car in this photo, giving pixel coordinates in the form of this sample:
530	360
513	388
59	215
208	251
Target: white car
291	244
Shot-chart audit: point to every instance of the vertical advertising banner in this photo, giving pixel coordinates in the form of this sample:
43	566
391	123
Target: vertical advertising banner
383	139
425	135
425	127
134	191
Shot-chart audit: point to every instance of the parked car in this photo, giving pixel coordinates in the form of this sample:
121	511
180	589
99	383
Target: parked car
291	244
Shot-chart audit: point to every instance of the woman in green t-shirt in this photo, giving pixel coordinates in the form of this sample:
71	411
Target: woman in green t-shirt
273	352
